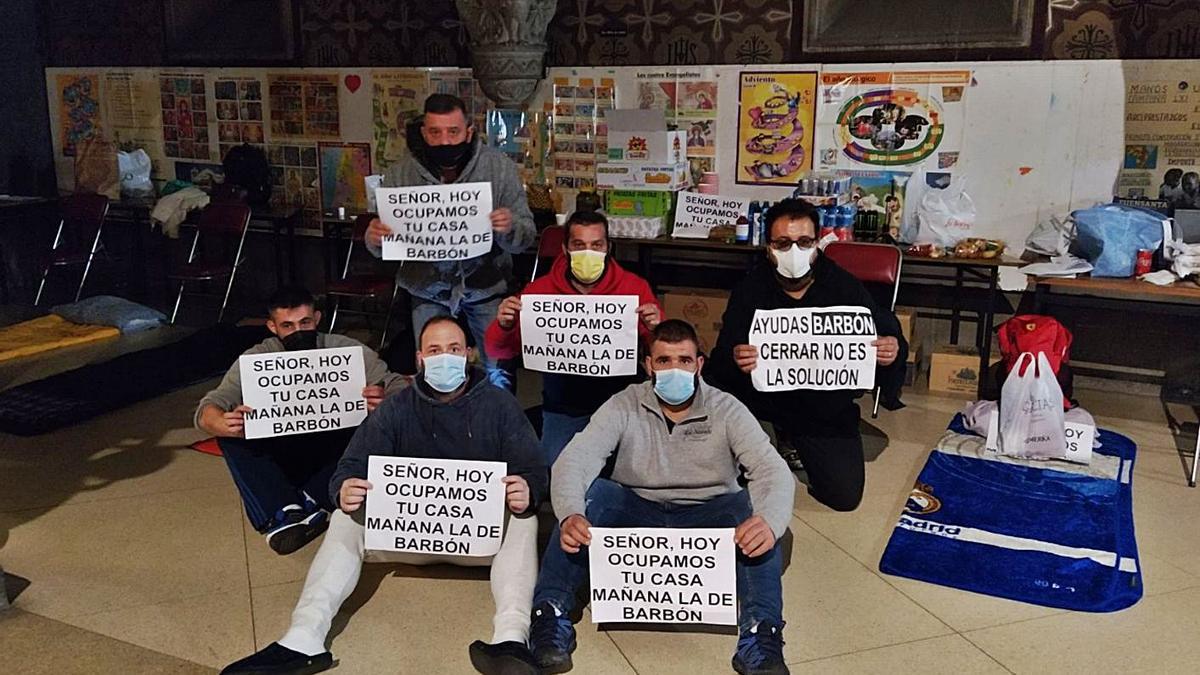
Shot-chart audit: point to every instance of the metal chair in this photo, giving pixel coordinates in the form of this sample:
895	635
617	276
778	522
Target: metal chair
877	266
216	220
550	245
1181	386
362	286
77	240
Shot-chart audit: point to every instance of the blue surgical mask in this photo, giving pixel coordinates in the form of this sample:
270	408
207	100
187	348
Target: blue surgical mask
445	372
674	386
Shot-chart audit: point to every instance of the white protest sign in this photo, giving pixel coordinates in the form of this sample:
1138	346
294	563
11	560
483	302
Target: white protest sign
303	391
435	223
592	335
1080	439
813	348
663	575
696	214
440	506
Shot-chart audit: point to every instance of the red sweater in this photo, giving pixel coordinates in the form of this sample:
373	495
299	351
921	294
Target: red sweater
559	393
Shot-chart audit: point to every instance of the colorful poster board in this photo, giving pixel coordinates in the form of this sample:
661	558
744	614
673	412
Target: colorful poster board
1162	134
344	168
776	116
239	112
397	98
79	110
580	134
688	99
304	106
184	105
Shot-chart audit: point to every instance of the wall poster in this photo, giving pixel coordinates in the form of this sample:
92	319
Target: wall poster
1162	134
776	113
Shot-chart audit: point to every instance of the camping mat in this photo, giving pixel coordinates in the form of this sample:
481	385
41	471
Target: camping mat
80	394
1046	533
46	333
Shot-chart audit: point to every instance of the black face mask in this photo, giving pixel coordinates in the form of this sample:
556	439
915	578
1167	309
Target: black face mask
300	340
448	155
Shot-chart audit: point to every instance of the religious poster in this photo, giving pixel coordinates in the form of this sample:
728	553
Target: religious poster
294	177
776	114
184	106
239	111
304	106
79	110
344	168
580	134
133	115
688	99
397	98
1162	133
892	119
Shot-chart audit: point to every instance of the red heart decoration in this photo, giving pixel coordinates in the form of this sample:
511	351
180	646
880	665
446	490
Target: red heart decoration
353	82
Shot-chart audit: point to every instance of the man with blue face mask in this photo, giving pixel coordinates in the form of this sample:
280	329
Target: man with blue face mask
818	429
451	412
680	448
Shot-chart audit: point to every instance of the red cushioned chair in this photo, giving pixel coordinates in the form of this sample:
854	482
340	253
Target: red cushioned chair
363	286
550	245
77	241
217	220
877	266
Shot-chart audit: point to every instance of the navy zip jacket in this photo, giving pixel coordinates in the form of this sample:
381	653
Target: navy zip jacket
485	423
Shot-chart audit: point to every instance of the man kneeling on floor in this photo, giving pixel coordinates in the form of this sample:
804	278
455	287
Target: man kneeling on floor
284	480
449	413
680	447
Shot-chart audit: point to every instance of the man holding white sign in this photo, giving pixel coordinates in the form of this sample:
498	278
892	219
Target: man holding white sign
450	413
681	447
585	269
798	340
444	275
284	481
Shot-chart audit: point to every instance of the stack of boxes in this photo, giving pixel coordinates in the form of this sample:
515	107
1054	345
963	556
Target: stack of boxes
646	166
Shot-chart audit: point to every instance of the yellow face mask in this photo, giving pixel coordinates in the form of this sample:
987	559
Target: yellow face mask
587	266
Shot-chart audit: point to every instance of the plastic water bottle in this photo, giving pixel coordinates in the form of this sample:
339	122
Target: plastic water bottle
828	222
844	229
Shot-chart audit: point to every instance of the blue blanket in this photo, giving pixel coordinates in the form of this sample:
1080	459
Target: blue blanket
1049	534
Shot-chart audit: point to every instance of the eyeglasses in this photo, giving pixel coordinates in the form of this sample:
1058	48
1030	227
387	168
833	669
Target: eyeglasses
783	243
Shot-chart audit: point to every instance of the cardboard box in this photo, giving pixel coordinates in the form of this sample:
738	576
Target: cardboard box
638	202
701	307
641	136
913	365
648	176
955	370
908	321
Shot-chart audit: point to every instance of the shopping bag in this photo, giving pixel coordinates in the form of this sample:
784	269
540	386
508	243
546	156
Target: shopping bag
1032	424
1111	235
96	168
946	216
135	174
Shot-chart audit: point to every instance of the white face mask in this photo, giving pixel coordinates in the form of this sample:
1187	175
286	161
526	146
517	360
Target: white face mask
795	262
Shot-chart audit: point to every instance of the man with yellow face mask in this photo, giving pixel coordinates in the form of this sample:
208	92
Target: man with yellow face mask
568	401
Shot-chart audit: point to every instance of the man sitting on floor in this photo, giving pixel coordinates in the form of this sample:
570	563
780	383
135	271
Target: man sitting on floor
451	412
585	267
284	480
821	427
680	446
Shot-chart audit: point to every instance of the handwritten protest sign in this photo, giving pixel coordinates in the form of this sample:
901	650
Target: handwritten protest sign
580	334
435	223
663	575
303	391
697	213
1080	439
440	506
813	348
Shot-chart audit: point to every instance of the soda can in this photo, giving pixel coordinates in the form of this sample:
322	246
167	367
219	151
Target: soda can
1145	257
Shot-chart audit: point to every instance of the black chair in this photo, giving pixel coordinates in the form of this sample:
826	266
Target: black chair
77	240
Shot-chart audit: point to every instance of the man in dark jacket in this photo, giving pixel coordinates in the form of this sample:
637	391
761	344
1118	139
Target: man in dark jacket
822	426
447	150
451	412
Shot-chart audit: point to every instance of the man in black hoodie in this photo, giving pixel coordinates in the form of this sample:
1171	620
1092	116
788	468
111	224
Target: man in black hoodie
449	413
821	426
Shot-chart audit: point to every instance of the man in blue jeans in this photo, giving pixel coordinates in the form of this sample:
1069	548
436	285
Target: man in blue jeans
681	446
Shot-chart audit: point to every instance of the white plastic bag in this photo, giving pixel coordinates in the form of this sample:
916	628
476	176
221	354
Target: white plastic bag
1051	237
946	216
135	173
1032	423
913	190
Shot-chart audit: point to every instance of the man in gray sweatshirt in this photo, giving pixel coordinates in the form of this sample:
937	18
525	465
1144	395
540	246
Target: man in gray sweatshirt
447	150
284	480
680	447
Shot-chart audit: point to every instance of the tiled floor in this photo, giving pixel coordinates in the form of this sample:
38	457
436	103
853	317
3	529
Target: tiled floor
141	562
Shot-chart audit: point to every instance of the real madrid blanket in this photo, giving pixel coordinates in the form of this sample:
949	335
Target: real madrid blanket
1045	532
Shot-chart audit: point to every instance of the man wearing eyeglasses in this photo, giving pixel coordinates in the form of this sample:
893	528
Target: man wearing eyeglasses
819	428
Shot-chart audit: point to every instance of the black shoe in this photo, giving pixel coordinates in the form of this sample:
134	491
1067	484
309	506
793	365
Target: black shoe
792	457
760	651
275	659
295	529
553	639
503	658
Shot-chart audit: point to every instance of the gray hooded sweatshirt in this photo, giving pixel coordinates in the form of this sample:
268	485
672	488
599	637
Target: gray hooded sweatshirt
696	461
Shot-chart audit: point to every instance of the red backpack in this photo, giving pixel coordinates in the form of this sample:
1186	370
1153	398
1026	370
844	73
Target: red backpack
1037	333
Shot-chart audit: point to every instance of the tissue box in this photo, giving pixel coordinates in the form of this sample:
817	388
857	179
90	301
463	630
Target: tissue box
643	176
663	147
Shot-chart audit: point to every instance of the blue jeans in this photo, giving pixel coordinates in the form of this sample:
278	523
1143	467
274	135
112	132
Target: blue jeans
478	316
610	504
558	430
